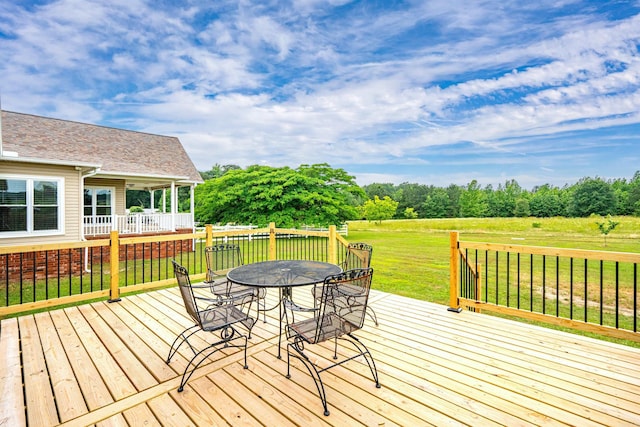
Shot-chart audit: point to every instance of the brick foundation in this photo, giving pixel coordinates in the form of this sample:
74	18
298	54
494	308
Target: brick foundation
69	262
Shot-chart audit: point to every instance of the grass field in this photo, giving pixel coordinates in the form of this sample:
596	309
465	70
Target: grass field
411	257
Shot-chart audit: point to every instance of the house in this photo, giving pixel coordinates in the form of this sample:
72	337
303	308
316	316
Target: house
64	181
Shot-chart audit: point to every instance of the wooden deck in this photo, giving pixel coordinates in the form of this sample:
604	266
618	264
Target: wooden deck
104	364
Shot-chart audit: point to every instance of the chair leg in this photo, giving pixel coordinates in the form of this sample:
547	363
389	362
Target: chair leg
203	354
180	339
313	371
364	351
372	315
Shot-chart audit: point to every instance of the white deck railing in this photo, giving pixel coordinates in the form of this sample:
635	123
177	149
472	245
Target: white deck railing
154	222
136	223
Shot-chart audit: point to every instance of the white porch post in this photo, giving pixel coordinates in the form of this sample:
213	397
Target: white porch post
164	200
174	205
192	206
153	202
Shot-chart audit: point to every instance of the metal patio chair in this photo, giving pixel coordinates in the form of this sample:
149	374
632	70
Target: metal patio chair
220	259
220	315
358	255
341	312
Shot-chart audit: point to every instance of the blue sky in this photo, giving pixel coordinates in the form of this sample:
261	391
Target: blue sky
435	92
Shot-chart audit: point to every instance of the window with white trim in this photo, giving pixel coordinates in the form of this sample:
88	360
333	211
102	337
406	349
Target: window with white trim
30	206
98	201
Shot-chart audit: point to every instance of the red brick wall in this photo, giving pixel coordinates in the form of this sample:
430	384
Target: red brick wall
72	261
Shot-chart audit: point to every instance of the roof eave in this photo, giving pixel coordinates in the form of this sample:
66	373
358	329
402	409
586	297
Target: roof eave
12	158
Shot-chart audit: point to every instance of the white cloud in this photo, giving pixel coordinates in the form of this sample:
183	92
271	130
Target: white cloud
291	83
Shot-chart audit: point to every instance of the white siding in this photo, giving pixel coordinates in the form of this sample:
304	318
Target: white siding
72	231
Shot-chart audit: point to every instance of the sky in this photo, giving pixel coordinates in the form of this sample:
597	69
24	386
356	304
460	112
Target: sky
434	92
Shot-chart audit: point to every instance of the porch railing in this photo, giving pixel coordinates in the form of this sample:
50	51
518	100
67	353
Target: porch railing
594	291
139	223
42	276
136	223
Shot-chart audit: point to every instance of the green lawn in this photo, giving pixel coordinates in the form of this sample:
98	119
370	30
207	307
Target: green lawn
411	257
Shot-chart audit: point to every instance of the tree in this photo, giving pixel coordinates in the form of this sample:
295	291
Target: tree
453	194
436	204
138	198
217	171
379	209
313	195
409	213
473	201
592	196
502	202
546	201
380	190
607	227
633	198
522	208
411	196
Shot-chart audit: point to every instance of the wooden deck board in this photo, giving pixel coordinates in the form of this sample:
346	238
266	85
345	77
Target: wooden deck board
62	376
12	408
39	397
104	364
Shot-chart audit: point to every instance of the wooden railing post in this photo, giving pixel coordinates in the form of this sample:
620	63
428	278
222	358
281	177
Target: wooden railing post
478	294
272	241
454	304
114	292
209	231
333	245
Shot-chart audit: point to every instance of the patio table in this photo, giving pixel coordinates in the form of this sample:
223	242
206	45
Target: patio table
283	275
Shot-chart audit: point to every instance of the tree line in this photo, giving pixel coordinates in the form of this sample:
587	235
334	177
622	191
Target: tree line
588	196
320	195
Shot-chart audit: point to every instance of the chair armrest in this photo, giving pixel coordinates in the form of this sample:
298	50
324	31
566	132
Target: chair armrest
288	304
203	285
219	299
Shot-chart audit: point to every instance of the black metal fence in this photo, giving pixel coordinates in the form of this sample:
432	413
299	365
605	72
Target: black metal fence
593	290
47	275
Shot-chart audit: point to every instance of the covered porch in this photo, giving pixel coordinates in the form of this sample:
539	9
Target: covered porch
104	364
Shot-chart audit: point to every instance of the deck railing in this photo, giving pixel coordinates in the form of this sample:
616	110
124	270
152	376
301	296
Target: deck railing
42	276
136	223
140	223
595	291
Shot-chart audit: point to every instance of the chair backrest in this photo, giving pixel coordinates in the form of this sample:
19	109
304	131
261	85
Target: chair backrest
182	276
358	256
344	296
221	258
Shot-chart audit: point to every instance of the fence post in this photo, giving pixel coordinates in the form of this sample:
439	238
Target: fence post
114	259
478	293
333	245
272	241
454	304
209	239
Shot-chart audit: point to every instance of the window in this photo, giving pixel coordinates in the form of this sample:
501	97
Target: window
97	201
30	206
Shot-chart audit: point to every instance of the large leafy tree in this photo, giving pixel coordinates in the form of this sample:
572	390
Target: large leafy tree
411	196
380	190
314	195
436	204
547	201
379	209
592	196
473	201
502	202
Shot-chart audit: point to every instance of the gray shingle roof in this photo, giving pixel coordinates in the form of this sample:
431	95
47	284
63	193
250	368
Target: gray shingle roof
118	152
